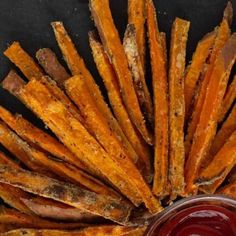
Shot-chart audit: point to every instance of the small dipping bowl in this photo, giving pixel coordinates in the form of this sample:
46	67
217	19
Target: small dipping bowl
202	215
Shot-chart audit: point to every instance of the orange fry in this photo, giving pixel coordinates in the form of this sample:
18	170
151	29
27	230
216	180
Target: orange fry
229	190
158	63
179	37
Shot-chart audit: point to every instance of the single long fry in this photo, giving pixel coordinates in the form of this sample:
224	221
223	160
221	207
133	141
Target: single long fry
21	220
135	64
214	174
228	127
103	20
110	81
79	93
228	13
179	37
159	73
77	66
4	160
206	128
22	60
104	230
38	137
48	60
223	34
164	46
229	190
228	100
55	210
73	134
57	167
137	17
199	58
110	208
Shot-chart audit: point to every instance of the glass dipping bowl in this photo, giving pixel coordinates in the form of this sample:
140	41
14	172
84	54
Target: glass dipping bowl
171	211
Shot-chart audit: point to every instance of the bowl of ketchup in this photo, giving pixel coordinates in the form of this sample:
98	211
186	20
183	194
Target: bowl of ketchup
202	215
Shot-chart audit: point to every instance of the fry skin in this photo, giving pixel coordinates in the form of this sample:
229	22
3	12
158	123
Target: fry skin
159	81
206	128
229	190
110	81
214	174
21	59
48	60
199	58
223	34
179	37
79	93
73	195
135	65
103	20
77	66
137	17
228	99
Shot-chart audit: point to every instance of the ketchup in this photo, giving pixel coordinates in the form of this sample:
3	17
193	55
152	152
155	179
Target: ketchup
201	220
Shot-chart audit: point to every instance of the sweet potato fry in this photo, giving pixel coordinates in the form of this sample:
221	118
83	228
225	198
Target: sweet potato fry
48	60
135	64
56	166
223	34
103	20
202	52
159	81
229	190
164	46
77	66
73	134
214	174
22	60
4	160
228	127
110	81
104	230
137	17
78	92
4	228
179	37
21	220
206	128
228	99
114	209
48	208
38	137
228	13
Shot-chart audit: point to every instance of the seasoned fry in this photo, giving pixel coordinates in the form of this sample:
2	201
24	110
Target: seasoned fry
159	81
229	190
4	160
214	174
164	46
110	208
135	64
206	128
22	60
179	37
103	20
104	230
137	17
48	60
55	210
202	52
73	134
79	93
228	13
228	100
77	66
38	137
110	81
228	127
223	34
56	166
21	220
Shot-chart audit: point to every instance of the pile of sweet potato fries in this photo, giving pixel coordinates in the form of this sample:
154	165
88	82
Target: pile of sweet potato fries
96	173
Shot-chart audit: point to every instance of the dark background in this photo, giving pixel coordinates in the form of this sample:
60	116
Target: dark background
28	21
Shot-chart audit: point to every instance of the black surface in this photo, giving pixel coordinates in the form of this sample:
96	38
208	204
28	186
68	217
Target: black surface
28	21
